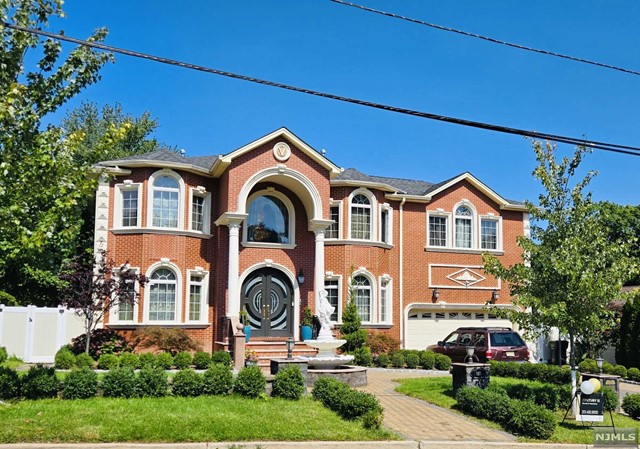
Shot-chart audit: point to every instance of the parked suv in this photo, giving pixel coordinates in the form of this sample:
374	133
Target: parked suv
489	343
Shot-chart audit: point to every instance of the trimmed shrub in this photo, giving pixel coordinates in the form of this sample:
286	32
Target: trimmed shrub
412	360
108	361
381	343
487	404
345	401
9	383
610	398
372	420
3	354
187	382
607	368
619	370
64	358
164	360
382	361
427	359
147	359
84	361
531	420
355	340
151	382
633	374
222	357
397	360
533	371
289	383
40	382
552	397
182	360
250	382
80	384
631	405
165	339
217	380
130	360
442	362
201	360
119	383
103	341
588	366
363	357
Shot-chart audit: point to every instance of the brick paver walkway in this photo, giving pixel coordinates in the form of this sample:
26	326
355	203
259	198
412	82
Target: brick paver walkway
418	420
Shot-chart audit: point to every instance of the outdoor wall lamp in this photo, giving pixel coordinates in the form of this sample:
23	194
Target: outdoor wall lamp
435	295
290	345
300	277
495	296
599	363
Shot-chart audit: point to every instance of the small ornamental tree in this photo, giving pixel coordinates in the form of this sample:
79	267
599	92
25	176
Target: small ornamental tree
94	289
351	322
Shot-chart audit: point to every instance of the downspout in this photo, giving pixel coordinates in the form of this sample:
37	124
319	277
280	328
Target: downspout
401	289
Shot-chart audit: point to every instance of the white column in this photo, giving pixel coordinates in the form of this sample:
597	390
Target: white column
233	221
318	227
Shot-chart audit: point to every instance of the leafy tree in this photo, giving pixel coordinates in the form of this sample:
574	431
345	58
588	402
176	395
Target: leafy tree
95	290
622	224
571	269
41	185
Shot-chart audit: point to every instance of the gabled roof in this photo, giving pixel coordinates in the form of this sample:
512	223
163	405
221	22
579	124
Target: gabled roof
164	158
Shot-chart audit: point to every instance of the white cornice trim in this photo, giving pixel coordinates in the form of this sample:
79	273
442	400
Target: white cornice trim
369	184
155	164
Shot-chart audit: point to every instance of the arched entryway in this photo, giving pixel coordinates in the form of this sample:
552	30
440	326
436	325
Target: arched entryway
267	296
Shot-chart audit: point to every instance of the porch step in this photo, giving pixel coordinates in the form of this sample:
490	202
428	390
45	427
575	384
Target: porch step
267	350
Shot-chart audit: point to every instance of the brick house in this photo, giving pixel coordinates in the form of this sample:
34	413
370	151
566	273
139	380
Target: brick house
270	225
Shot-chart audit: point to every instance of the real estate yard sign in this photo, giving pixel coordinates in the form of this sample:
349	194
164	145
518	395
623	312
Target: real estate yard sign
591	408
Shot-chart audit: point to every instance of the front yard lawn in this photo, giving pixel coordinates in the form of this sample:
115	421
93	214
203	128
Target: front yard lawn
438	391
172	419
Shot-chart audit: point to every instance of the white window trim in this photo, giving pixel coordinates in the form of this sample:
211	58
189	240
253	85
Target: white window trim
332	277
374	206
386	279
385	207
147	293
498	220
114	313
373	312
448	236
292	221
474	226
339	205
118	206
204	296
181	200
200	192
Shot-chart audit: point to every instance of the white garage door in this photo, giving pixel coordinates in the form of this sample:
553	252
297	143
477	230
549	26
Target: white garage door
427	327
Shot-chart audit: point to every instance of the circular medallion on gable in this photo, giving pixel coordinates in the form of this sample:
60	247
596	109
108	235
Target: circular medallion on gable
281	151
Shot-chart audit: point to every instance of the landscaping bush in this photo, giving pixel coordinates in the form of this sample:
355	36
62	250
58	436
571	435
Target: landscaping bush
119	383
412	360
397	360
187	382
355	404
3	354
345	401
201	360
363	357
619	370
80	384
108	361
84	361
289	383
130	360
533	371
40	382
222	357
147	359
382	361
351	325
9	383
442	362
486	404
633	374
182	360
381	343
607	368
427	359
103	341
372	420
165	339
588	366
164	360
530	420
217	380
552	397
631	405
64	358
151	382
610	398
250	382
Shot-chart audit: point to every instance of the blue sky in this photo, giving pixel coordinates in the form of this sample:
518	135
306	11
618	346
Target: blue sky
324	46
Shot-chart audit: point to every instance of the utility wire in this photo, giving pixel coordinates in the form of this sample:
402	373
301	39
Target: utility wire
490	39
623	149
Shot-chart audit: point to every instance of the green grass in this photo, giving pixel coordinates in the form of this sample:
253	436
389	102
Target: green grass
438	391
176	420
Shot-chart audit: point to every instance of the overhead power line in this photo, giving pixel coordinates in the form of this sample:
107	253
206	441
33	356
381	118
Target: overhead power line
623	149
486	38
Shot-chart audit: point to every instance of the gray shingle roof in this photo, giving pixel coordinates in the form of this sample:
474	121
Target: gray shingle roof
204	162
408	186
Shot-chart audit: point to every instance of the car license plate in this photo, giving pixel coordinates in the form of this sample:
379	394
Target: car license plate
511	354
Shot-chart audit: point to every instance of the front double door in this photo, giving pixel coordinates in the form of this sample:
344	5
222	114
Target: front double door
267	298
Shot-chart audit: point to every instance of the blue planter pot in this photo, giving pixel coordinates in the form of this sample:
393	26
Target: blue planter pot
247	333
306	332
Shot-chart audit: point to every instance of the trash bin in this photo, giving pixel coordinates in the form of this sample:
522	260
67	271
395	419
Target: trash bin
558	352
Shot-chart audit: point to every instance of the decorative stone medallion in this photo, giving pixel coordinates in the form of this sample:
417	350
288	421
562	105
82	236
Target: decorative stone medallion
281	151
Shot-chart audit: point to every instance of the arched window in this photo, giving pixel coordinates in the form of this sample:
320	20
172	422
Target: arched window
268	220
463	229
362	287
360	217
162	295
166	201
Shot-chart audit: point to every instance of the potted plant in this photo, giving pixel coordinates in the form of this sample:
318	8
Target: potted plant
306	322
244	319
250	357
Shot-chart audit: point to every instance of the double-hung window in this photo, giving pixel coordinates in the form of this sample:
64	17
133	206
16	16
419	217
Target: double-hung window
200	207
360	217
332	286
385	223
385	300
197	296
127	210
437	230
166	194
489	234
363	298
333	231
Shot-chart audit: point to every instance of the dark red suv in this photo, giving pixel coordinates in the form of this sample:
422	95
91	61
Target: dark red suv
489	343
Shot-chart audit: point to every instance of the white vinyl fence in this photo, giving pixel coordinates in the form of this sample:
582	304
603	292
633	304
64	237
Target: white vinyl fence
35	334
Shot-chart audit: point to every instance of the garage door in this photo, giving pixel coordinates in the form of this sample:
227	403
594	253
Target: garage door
427	327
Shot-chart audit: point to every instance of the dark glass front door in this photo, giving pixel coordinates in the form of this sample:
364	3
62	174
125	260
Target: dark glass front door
267	299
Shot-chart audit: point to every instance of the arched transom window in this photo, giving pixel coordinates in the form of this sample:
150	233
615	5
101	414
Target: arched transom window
166	192
268	220
162	296
463	229
360	217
